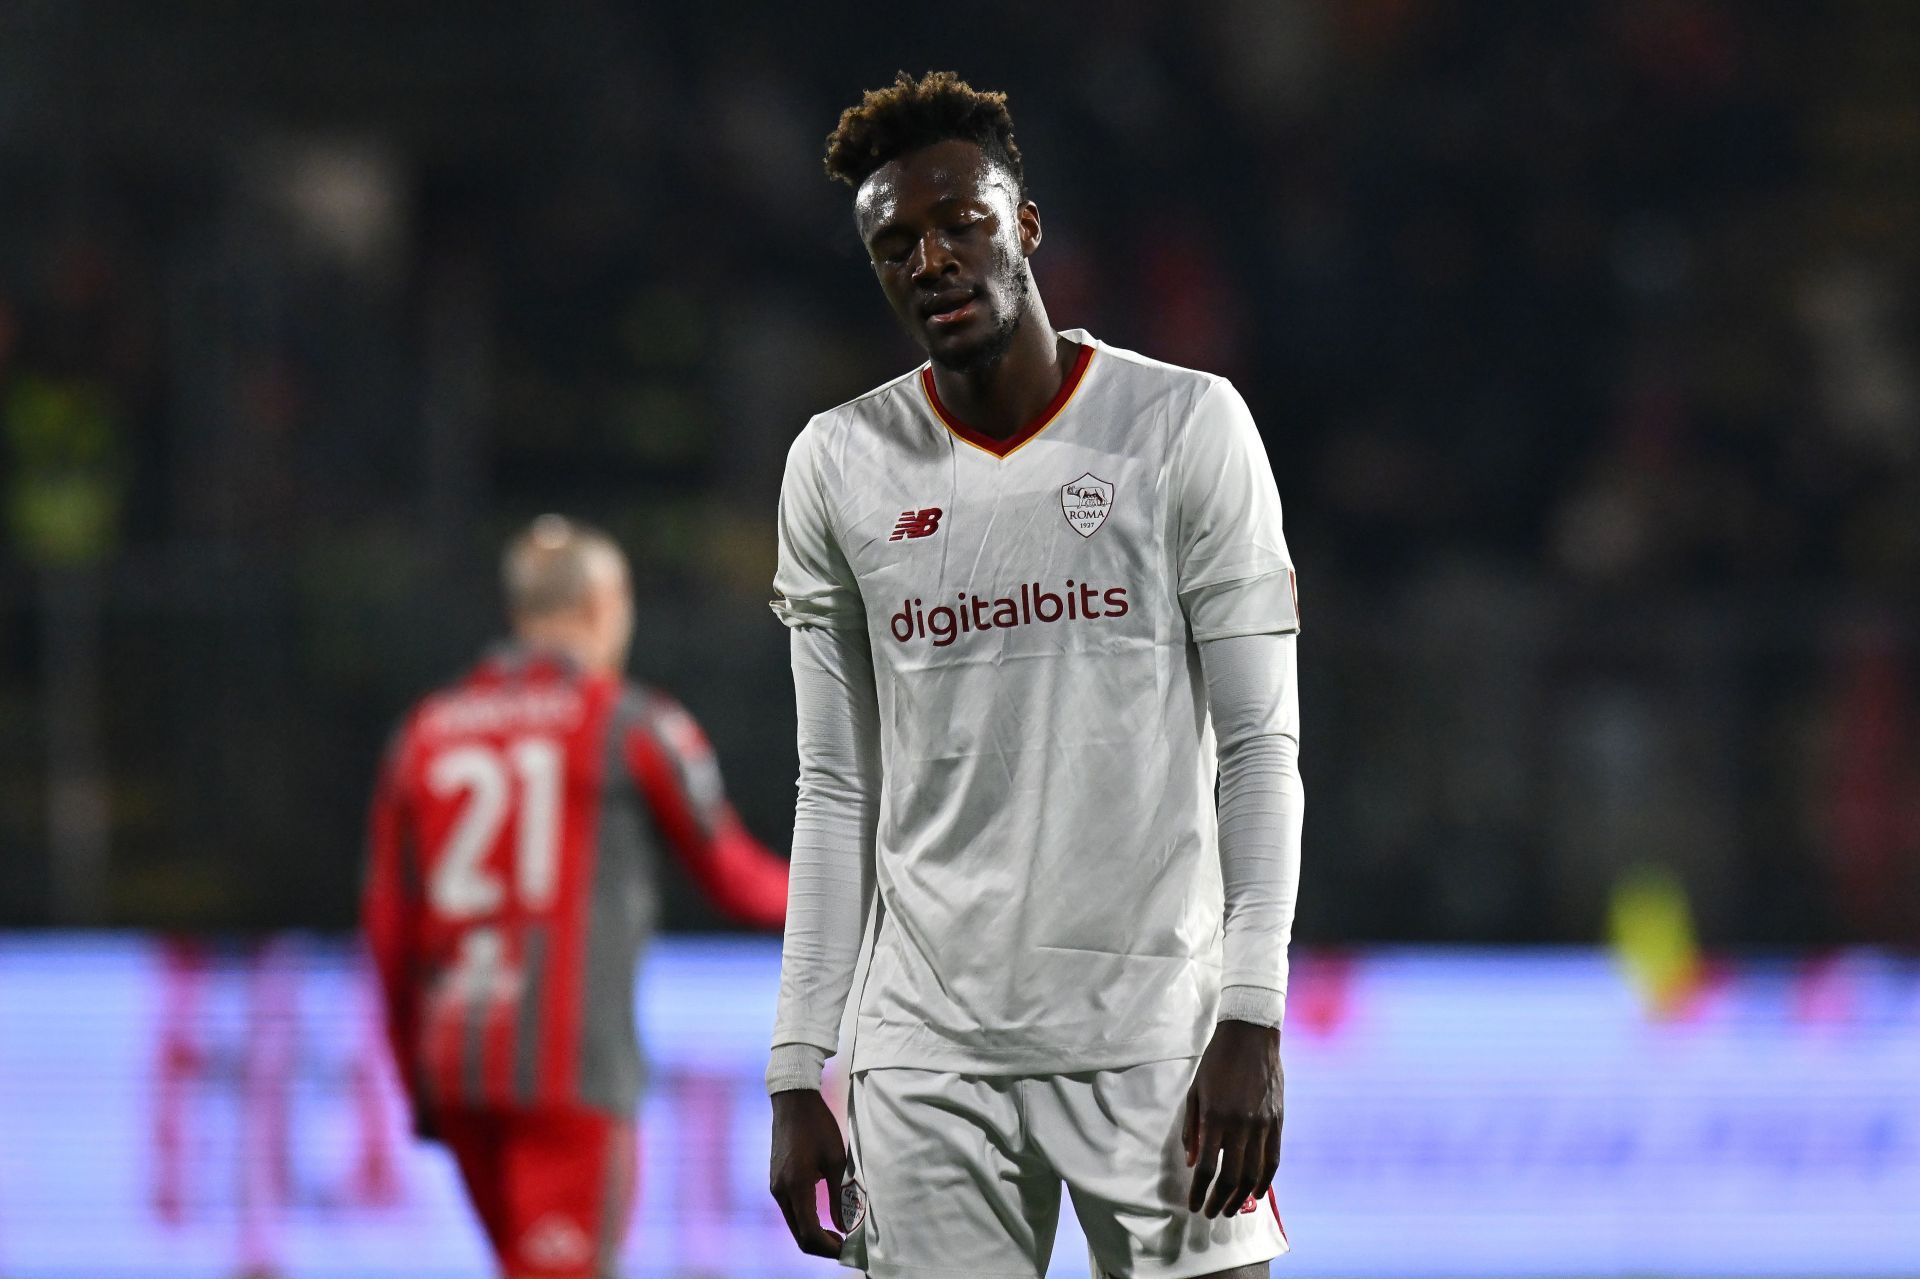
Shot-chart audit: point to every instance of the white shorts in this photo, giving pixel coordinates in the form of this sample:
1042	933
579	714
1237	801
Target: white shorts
962	1175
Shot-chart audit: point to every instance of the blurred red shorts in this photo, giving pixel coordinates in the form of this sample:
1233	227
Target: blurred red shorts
553	1188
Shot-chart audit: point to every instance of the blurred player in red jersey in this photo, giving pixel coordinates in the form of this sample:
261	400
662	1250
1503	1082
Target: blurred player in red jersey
516	824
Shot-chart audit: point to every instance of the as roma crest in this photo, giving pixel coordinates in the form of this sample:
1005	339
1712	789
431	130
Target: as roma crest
853	1203
1085	502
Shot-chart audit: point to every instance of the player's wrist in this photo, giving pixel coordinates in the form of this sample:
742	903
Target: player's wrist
1255	1004
795	1068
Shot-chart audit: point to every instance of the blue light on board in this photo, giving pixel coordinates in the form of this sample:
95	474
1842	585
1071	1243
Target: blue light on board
177	1110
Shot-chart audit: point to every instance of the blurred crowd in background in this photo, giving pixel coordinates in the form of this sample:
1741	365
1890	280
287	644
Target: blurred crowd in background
1581	334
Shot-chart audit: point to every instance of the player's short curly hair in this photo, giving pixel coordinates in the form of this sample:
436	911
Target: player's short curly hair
909	114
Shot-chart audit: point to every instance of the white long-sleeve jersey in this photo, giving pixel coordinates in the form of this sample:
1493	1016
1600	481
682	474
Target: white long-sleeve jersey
1007	777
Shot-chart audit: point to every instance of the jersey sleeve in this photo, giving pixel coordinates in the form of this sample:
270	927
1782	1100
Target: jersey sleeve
834	820
391	904
1253	698
675	769
813	583
1235	576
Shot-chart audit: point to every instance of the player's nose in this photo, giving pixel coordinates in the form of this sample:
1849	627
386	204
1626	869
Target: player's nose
932	258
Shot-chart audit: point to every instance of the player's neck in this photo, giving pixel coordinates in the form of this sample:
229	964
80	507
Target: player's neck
561	640
1005	396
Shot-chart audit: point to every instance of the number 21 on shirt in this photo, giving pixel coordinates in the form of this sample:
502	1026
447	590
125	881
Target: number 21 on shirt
487	781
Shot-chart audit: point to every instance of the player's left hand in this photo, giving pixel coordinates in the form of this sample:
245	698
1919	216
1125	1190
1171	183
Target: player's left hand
1234	1113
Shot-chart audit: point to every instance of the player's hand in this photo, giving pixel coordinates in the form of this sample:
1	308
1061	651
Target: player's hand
425	1126
807	1146
1234	1113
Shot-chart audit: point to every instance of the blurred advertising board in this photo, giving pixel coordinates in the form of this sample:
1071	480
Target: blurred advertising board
179	1109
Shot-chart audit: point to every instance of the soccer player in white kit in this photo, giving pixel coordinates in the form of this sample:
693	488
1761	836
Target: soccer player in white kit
1037	593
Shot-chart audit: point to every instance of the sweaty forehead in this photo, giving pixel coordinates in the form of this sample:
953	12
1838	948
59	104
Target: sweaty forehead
911	186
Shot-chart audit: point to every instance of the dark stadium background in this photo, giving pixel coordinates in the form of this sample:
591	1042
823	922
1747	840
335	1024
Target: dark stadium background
1582	336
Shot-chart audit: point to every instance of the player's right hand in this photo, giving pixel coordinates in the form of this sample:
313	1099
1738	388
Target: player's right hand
425	1126
807	1147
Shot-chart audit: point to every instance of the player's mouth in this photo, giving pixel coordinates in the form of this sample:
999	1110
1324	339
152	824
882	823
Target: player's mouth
946	310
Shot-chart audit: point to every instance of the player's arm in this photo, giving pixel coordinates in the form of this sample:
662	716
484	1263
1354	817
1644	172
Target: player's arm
833	831
1237	591
675	769
1237	1108
390	905
835	815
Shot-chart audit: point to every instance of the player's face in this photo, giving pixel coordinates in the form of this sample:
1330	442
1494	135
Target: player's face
609	609
620	628
949	238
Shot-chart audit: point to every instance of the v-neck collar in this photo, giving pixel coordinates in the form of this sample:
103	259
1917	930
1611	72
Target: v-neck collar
1002	448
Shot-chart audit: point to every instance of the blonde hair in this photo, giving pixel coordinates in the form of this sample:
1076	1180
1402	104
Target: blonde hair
549	567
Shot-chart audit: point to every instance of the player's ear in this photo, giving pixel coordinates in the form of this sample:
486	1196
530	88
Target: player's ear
1028	216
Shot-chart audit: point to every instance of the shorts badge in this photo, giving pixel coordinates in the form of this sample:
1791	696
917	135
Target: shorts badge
557	1241
853	1203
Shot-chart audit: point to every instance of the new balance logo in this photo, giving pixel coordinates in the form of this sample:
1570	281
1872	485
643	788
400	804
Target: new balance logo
921	523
